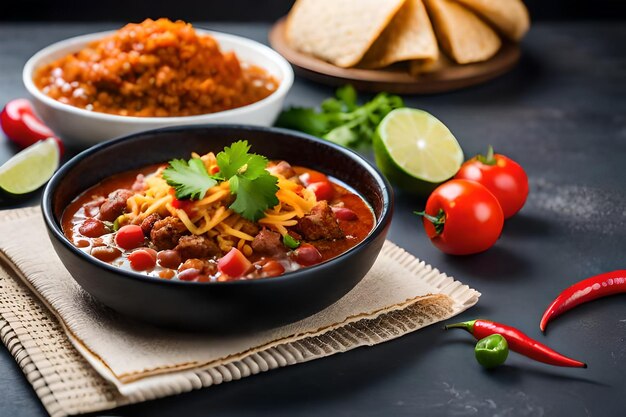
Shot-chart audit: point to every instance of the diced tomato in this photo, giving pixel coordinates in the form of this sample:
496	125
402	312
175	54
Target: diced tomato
313	176
93	228
272	268
142	259
234	263
307	255
185	205
323	190
129	237
343	213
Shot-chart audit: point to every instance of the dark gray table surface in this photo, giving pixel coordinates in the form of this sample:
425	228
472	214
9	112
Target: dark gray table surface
562	114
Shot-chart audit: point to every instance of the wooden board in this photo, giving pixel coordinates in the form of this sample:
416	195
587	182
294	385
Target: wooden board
395	79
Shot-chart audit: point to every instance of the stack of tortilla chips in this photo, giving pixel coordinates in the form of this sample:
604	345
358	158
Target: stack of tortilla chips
378	33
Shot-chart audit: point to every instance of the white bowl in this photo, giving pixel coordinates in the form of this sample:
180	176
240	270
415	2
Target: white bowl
82	128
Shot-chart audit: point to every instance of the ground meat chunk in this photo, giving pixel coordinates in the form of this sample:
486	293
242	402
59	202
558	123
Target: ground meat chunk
321	223
282	168
114	205
148	223
197	247
166	232
267	242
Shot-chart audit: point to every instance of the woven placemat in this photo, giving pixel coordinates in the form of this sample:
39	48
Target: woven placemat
67	383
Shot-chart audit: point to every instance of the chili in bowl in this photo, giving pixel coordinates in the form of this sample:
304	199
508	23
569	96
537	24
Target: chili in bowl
192	227
153	74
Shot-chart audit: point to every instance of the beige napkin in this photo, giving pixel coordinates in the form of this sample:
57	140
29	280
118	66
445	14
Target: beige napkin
117	361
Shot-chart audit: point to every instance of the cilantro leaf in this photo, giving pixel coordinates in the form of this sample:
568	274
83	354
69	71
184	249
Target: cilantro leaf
232	158
254	196
340	119
254	187
189	179
235	160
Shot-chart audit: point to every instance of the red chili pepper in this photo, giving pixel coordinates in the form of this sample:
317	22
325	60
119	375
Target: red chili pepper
518	342
22	127
589	289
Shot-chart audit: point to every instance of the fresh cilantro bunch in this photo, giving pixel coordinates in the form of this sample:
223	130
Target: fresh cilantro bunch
254	187
341	119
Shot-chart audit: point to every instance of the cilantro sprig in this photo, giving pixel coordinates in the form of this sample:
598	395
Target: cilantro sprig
340	119
254	187
189	179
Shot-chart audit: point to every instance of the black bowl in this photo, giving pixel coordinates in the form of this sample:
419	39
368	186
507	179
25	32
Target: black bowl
222	306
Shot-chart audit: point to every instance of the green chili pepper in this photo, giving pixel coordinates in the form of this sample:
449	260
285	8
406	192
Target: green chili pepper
290	242
492	351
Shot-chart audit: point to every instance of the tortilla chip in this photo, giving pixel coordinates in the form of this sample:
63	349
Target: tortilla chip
408	36
508	16
462	35
338	31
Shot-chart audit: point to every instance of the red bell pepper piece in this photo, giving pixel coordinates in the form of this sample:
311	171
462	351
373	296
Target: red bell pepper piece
589	289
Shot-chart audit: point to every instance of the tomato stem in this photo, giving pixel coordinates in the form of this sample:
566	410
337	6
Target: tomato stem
439	220
487	159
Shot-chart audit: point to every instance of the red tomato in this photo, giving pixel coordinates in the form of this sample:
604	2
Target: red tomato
504	177
323	190
129	236
313	176
462	218
142	259
234	263
22	127
307	255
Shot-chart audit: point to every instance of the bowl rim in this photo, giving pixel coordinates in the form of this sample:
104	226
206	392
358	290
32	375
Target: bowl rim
381	222
81	40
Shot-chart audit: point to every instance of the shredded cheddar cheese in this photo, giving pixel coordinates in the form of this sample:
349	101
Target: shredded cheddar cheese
211	214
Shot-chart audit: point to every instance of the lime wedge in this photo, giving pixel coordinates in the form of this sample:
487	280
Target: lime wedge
31	168
415	150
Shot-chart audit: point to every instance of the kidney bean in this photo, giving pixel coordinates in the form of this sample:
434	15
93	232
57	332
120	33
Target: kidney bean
93	228
188	274
343	213
105	253
169	258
